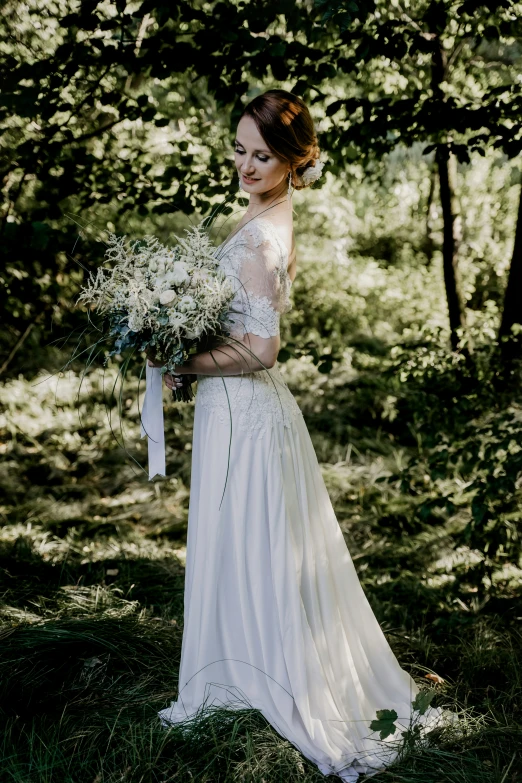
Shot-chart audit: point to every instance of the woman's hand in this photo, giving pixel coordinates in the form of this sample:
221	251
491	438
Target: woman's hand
171	381
174	382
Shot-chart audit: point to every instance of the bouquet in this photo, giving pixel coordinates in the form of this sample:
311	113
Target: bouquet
168	301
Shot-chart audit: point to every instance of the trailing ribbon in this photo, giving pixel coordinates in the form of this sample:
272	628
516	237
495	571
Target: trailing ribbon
152	421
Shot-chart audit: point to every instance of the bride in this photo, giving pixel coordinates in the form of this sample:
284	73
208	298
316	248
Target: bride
275	616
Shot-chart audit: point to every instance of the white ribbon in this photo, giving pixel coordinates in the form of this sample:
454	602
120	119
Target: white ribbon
152	421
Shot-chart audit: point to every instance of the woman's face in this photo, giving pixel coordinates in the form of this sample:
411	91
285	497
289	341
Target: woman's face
258	168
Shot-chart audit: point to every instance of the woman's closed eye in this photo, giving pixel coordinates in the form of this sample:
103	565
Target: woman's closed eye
262	158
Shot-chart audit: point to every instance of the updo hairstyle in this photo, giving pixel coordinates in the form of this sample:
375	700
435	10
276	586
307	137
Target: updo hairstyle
284	122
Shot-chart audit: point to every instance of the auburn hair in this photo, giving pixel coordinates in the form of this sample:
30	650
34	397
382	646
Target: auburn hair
285	123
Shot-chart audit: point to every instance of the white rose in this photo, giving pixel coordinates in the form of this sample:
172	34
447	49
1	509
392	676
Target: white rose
178	275
159	281
167	297
187	303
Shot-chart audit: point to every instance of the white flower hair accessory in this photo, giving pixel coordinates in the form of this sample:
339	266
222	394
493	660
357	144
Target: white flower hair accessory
312	173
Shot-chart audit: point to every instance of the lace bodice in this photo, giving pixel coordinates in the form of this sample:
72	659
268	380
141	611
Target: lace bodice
255	259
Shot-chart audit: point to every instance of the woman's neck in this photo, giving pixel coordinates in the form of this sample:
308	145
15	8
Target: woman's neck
274	200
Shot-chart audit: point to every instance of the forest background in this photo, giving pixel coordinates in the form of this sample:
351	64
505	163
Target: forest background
402	348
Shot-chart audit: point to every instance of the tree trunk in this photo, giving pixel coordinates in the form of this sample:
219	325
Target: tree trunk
451	241
431	211
512	311
447	169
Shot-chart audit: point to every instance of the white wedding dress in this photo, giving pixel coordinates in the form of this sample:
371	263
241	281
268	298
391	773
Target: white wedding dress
275	616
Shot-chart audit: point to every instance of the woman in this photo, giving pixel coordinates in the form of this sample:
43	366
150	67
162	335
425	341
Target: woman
275	616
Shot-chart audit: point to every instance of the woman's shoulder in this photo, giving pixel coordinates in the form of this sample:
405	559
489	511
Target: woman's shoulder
264	231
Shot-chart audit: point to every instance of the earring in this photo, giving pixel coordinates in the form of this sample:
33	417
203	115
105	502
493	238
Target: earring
290	188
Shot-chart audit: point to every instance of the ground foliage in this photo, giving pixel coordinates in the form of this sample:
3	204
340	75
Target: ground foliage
91	564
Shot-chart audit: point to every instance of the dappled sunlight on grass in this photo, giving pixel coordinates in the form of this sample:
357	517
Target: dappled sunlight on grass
92	561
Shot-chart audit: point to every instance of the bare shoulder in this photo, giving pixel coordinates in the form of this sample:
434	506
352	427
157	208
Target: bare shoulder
280	225
285	231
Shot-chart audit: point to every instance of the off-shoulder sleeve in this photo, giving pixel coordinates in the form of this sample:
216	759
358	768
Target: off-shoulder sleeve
260	291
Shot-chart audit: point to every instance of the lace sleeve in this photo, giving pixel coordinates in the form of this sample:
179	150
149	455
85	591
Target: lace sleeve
260	289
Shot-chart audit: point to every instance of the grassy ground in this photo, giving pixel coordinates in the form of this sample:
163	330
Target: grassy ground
91	579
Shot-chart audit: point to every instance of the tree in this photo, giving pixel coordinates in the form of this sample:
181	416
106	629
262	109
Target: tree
458	91
512	311
93	123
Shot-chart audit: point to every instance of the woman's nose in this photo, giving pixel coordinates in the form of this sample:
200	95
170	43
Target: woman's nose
248	165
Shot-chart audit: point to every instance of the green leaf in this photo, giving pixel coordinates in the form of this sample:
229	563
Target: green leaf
284	355
423	700
149	114
334	107
326	366
385	723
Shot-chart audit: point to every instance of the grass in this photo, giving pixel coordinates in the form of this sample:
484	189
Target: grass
91	579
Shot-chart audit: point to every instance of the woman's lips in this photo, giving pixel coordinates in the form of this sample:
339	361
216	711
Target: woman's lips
248	180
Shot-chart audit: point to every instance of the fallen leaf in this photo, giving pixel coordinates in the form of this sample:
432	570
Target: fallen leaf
435	678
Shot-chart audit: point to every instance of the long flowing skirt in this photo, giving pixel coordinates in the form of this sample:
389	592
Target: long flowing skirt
275	616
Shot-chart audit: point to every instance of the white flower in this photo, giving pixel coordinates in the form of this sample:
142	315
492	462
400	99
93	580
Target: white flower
135	323
178	275
312	173
187	303
167	297
159	281
177	320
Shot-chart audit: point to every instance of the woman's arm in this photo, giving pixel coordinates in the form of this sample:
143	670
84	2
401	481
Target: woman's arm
250	354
